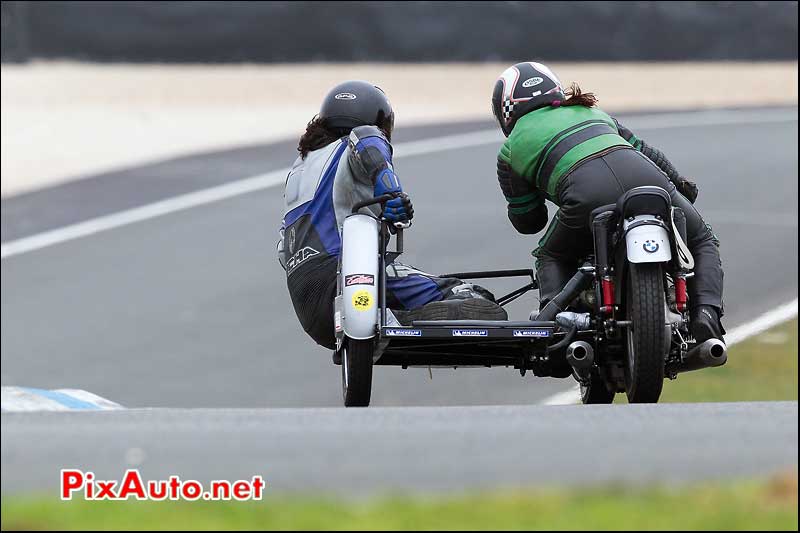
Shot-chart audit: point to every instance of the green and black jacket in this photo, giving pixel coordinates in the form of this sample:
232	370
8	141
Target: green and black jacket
545	145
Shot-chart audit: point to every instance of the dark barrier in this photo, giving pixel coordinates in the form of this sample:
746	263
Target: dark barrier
14	34
398	31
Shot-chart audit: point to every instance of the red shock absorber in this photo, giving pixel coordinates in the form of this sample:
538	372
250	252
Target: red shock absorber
680	293
607	284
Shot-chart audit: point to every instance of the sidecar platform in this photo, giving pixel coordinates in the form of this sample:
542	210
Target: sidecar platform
459	343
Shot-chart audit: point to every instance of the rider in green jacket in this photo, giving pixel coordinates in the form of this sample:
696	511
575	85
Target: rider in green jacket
562	148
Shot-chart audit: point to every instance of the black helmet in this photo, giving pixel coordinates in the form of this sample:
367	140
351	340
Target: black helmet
357	103
522	88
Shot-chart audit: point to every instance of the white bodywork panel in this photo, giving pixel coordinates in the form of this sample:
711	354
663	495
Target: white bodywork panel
359	276
647	244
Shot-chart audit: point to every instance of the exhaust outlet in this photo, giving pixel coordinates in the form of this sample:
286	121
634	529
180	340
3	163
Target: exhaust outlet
712	352
580	356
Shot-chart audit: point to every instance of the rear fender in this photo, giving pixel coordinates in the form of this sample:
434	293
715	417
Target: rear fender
646	240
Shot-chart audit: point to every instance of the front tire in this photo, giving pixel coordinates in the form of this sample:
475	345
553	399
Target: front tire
647	337
357	372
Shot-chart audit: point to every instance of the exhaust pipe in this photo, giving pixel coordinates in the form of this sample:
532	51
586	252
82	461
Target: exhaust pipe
581	281
580	356
712	352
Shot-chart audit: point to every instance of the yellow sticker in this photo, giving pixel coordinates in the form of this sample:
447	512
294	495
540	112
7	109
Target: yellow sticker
362	301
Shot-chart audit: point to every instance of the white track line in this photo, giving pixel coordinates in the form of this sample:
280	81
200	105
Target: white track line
568	397
738	334
216	194
139	214
427	146
762	323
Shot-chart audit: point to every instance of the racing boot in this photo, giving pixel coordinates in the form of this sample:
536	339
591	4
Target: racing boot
706	324
454	309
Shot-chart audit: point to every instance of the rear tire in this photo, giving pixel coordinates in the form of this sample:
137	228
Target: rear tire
357	372
596	392
647	338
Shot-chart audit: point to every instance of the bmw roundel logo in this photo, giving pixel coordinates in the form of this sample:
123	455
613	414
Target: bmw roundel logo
650	247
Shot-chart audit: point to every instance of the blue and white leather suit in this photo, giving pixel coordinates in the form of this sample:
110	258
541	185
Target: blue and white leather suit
320	192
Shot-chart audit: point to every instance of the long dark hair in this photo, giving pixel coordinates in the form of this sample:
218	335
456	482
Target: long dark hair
577	97
316	136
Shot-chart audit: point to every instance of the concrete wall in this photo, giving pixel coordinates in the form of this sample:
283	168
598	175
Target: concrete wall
398	31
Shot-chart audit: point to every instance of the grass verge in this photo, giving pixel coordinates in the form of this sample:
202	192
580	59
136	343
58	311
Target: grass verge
765	505
762	368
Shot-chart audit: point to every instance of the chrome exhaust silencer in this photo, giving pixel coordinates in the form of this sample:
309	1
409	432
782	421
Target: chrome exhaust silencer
580	356
712	352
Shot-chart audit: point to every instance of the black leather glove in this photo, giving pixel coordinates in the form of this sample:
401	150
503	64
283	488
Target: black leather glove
400	209
687	188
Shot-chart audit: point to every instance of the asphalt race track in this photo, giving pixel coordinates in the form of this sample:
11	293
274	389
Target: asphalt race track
190	310
356	451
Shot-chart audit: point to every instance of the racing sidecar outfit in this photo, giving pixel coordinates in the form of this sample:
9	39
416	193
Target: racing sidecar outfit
320	192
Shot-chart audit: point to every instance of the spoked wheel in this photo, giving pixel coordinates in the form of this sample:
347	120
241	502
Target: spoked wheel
357	372
647	337
595	391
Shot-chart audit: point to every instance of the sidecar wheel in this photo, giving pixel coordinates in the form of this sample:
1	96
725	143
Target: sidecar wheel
357	372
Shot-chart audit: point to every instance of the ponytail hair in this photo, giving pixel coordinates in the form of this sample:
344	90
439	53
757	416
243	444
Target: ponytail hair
577	97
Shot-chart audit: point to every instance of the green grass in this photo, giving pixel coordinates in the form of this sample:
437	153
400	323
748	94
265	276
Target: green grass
761	368
768	505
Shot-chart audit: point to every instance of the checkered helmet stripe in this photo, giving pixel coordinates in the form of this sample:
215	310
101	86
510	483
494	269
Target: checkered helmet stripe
508	108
